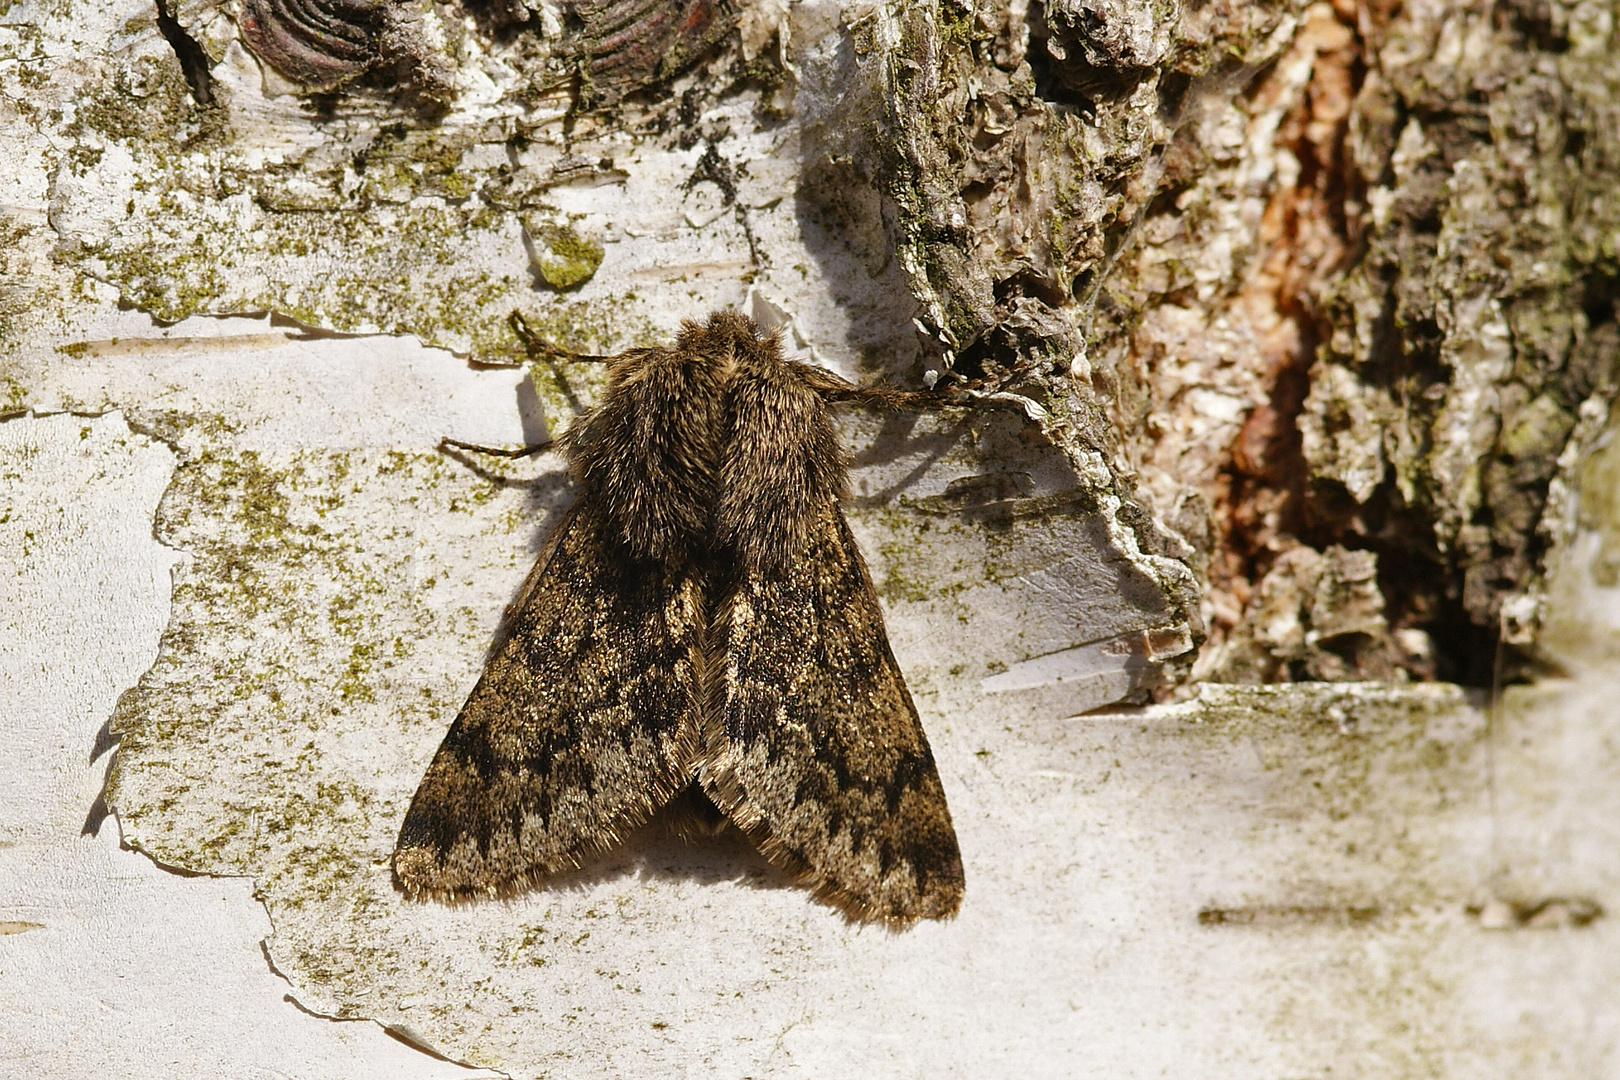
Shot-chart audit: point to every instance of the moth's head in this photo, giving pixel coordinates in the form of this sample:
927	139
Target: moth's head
729	340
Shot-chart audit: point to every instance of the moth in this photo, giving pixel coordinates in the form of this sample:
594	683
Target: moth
700	627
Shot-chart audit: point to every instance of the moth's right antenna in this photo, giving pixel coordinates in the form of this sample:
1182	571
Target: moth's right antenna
835	388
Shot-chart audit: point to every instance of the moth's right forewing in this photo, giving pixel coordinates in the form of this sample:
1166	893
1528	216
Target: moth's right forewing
812	744
584	723
814	747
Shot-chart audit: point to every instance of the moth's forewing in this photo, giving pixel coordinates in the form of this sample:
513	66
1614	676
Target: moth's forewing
817	751
584	723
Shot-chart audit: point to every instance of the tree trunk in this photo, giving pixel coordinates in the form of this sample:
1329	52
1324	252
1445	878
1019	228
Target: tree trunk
1274	342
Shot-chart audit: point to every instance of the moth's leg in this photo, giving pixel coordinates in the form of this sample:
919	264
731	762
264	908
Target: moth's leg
534	345
496	451
554	356
541	349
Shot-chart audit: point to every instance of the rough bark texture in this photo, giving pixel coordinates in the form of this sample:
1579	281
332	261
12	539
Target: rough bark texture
1472	349
1356	408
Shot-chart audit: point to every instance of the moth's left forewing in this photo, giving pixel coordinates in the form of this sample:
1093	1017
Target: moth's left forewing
586	719
583	724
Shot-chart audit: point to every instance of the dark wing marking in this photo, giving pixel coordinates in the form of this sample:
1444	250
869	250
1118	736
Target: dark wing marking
584	723
813	746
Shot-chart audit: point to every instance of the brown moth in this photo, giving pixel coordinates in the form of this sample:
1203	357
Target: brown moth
701	627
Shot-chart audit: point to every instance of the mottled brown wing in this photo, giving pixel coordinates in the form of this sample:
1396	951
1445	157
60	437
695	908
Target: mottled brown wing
814	747
584	723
